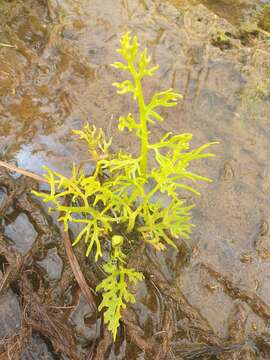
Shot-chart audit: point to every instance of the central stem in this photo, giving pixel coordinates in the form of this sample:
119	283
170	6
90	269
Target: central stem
143	121
144	133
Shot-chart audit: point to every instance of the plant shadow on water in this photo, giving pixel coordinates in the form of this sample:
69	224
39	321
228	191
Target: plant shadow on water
55	75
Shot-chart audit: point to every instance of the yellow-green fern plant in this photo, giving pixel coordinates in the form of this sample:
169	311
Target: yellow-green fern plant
123	191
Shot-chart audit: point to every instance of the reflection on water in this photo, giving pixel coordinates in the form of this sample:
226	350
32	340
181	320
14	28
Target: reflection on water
26	156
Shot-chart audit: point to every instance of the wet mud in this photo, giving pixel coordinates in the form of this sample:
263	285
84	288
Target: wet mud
211	299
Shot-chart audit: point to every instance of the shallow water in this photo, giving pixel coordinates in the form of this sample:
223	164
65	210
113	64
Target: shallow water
55	75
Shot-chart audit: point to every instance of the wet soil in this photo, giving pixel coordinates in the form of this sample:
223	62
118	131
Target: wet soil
210	300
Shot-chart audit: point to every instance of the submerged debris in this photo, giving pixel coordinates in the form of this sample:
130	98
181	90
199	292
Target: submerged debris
253	300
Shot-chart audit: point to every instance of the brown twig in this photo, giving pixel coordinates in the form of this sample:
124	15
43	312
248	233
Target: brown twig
22	171
77	271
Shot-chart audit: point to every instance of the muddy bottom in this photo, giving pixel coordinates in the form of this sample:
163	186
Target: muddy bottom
211	299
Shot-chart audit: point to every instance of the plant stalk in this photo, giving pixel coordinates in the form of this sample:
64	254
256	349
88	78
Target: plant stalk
143	121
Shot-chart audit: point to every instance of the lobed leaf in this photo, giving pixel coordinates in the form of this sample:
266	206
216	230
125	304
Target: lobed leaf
125	87
128	122
119	65
143	63
166	98
129	47
115	293
96	141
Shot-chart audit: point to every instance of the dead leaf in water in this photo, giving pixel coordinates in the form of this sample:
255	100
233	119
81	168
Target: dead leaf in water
246	258
227	172
264	254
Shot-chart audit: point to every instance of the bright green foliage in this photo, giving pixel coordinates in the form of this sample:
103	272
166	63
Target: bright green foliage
94	140
123	191
115	286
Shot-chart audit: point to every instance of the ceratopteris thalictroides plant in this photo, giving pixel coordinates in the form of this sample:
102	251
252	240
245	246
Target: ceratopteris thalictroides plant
123	191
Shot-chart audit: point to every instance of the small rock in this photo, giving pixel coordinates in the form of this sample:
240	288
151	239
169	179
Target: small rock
10	314
37	349
81	317
52	264
22	233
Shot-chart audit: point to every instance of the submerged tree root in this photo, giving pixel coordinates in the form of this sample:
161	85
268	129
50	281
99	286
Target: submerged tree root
13	347
259	307
136	334
42	316
165	352
15	261
196	322
38	318
237	325
49	323
103	345
207	352
37	315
